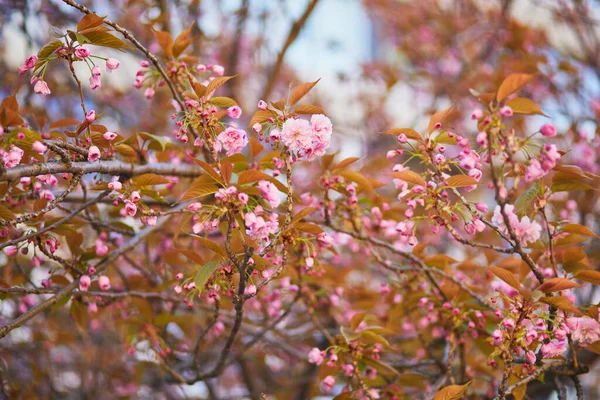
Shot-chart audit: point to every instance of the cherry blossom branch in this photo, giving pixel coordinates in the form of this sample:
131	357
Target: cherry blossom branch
57	223
114	167
67	290
138	45
51	206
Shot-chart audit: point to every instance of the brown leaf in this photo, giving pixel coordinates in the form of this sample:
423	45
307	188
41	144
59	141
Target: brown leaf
182	41
521	105
210	170
410	177
410	133
209	244
440	117
511	84
579	229
460	181
452	392
217	83
222	102
301	90
303	213
506	276
166	42
89	21
309	109
557	284
561	303
590	276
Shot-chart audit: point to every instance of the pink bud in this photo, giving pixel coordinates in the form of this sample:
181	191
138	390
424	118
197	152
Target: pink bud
262	105
93	153
82	52
104	282
112	64
109	136
39	147
41	87
84	283
548	130
90	116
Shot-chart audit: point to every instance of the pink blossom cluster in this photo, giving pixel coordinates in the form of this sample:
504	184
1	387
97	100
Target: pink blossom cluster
537	169
308	139
527	230
12	158
232	140
260	227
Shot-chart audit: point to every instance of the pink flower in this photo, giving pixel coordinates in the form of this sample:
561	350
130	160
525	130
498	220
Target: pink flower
525	229
135	196
262	105
39	147
296	134
233	140
316	356
259	228
506	111
508	324
130	208
250	290
179	276
269	192
587	330
243	197
104	282
548	130
328	383
109	136
115	185
12	158
11	251
101	248
41	87
151	220
84	283
498	337
93	153
82	52
177	289
96	71
90	116
324	239
29	64
234	112
534	171
95	82
195	206
554	348
112	64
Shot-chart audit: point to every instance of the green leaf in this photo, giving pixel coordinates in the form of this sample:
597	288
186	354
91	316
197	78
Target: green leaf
204	273
564	186
525	200
105	39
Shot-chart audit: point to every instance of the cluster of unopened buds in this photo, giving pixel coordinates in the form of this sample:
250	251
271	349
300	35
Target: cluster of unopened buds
79	53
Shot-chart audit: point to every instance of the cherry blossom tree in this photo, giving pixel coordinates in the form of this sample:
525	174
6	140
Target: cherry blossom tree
189	240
